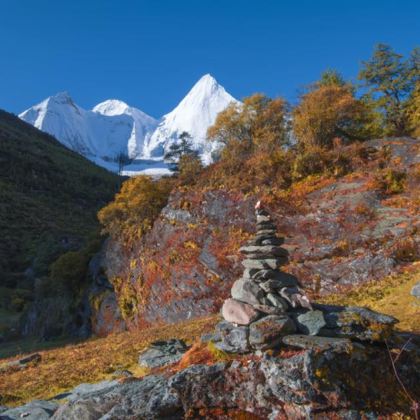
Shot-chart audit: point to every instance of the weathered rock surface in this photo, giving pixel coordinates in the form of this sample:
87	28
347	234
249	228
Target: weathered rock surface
238	312
162	353
35	410
310	342
317	377
140	399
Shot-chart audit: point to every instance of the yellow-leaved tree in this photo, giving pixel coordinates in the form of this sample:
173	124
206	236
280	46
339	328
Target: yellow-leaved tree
329	112
135	207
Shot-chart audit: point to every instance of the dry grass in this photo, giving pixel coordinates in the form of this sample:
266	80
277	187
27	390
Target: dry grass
390	296
91	361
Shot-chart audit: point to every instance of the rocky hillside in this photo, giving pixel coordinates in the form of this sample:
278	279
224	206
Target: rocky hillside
341	231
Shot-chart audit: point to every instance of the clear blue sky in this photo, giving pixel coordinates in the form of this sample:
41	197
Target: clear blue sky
149	53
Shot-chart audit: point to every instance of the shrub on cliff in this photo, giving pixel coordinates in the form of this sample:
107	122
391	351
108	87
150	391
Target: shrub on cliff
69	271
135	207
189	167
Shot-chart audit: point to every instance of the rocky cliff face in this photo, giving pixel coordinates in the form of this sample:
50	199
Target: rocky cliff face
340	232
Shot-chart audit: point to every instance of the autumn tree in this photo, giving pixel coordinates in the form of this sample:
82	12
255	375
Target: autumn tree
135	207
413	111
258	124
390	81
330	111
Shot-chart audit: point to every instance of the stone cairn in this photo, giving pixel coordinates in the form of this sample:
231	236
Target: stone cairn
268	307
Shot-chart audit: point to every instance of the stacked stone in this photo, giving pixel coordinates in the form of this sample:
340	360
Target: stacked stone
263	288
265	301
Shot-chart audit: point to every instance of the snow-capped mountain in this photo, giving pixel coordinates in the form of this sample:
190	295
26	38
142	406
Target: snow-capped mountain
111	128
194	114
143	124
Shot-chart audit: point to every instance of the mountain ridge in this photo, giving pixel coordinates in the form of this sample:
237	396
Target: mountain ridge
113	127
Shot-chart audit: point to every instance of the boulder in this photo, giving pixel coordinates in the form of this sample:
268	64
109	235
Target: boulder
247	291
310	322
415	291
238	312
86	389
162	353
147	398
233	339
356	322
267	332
21	363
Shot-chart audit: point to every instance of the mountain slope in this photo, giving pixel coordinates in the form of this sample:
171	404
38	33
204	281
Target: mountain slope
111	128
194	114
49	196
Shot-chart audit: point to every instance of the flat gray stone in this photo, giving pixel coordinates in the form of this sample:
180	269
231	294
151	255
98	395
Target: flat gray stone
261	264
247	291
264	250
310	322
266	240
310	342
267	332
162	353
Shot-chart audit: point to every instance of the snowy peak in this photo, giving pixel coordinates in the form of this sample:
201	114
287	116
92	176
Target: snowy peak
194	114
111	107
112	128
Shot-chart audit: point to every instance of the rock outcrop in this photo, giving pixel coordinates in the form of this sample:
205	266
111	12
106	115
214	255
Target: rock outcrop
314	377
341	232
